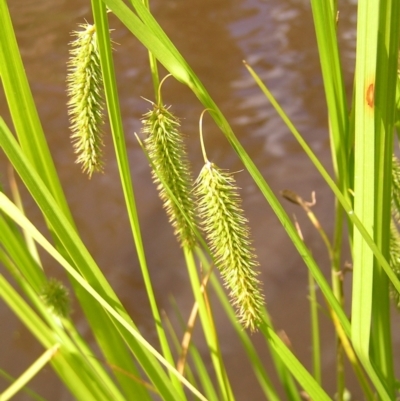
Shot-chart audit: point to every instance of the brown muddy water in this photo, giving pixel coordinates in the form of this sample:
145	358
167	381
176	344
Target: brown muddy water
277	38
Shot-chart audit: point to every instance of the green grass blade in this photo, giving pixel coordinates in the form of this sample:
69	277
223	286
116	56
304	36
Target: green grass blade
326	19
353	216
34	396
206	319
154	69
108	338
32	371
198	362
364	173
18	201
67	362
107	335
24	113
23	110
12	241
364	187
255	361
152	36
31	320
385	108
315	331
373	116
102	29
340	197
306	381
28	126
209	328
82	356
12	211
325	28
166	53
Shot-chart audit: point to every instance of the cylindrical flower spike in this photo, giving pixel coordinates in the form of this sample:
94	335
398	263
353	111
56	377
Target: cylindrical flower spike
86	104
165	147
396	188
394	259
229	237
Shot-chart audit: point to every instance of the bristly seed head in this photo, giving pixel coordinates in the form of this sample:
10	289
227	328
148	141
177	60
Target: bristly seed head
229	237
394	259
56	298
84	88
166	149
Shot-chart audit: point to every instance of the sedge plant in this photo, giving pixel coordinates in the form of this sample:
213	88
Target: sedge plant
364	184
166	149
86	102
229	237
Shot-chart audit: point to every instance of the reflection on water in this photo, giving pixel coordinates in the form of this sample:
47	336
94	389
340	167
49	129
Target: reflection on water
276	37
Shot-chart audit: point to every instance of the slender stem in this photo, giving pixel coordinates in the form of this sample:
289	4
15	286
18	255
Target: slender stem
158	93
153	67
203	149
209	328
125	176
316	344
337	287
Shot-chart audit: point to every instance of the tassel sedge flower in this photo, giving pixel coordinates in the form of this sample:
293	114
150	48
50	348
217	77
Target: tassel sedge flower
56	298
228	234
165	147
396	188
84	83
394	259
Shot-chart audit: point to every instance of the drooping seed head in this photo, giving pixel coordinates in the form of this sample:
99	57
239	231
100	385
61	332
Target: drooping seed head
394	247
84	88
394	261
166	149
229	237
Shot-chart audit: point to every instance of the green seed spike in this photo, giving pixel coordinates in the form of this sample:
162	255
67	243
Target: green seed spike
395	188
394	259
56	298
84	88
166	149
229	237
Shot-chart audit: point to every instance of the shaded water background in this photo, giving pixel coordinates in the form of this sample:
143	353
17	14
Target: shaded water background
277	38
